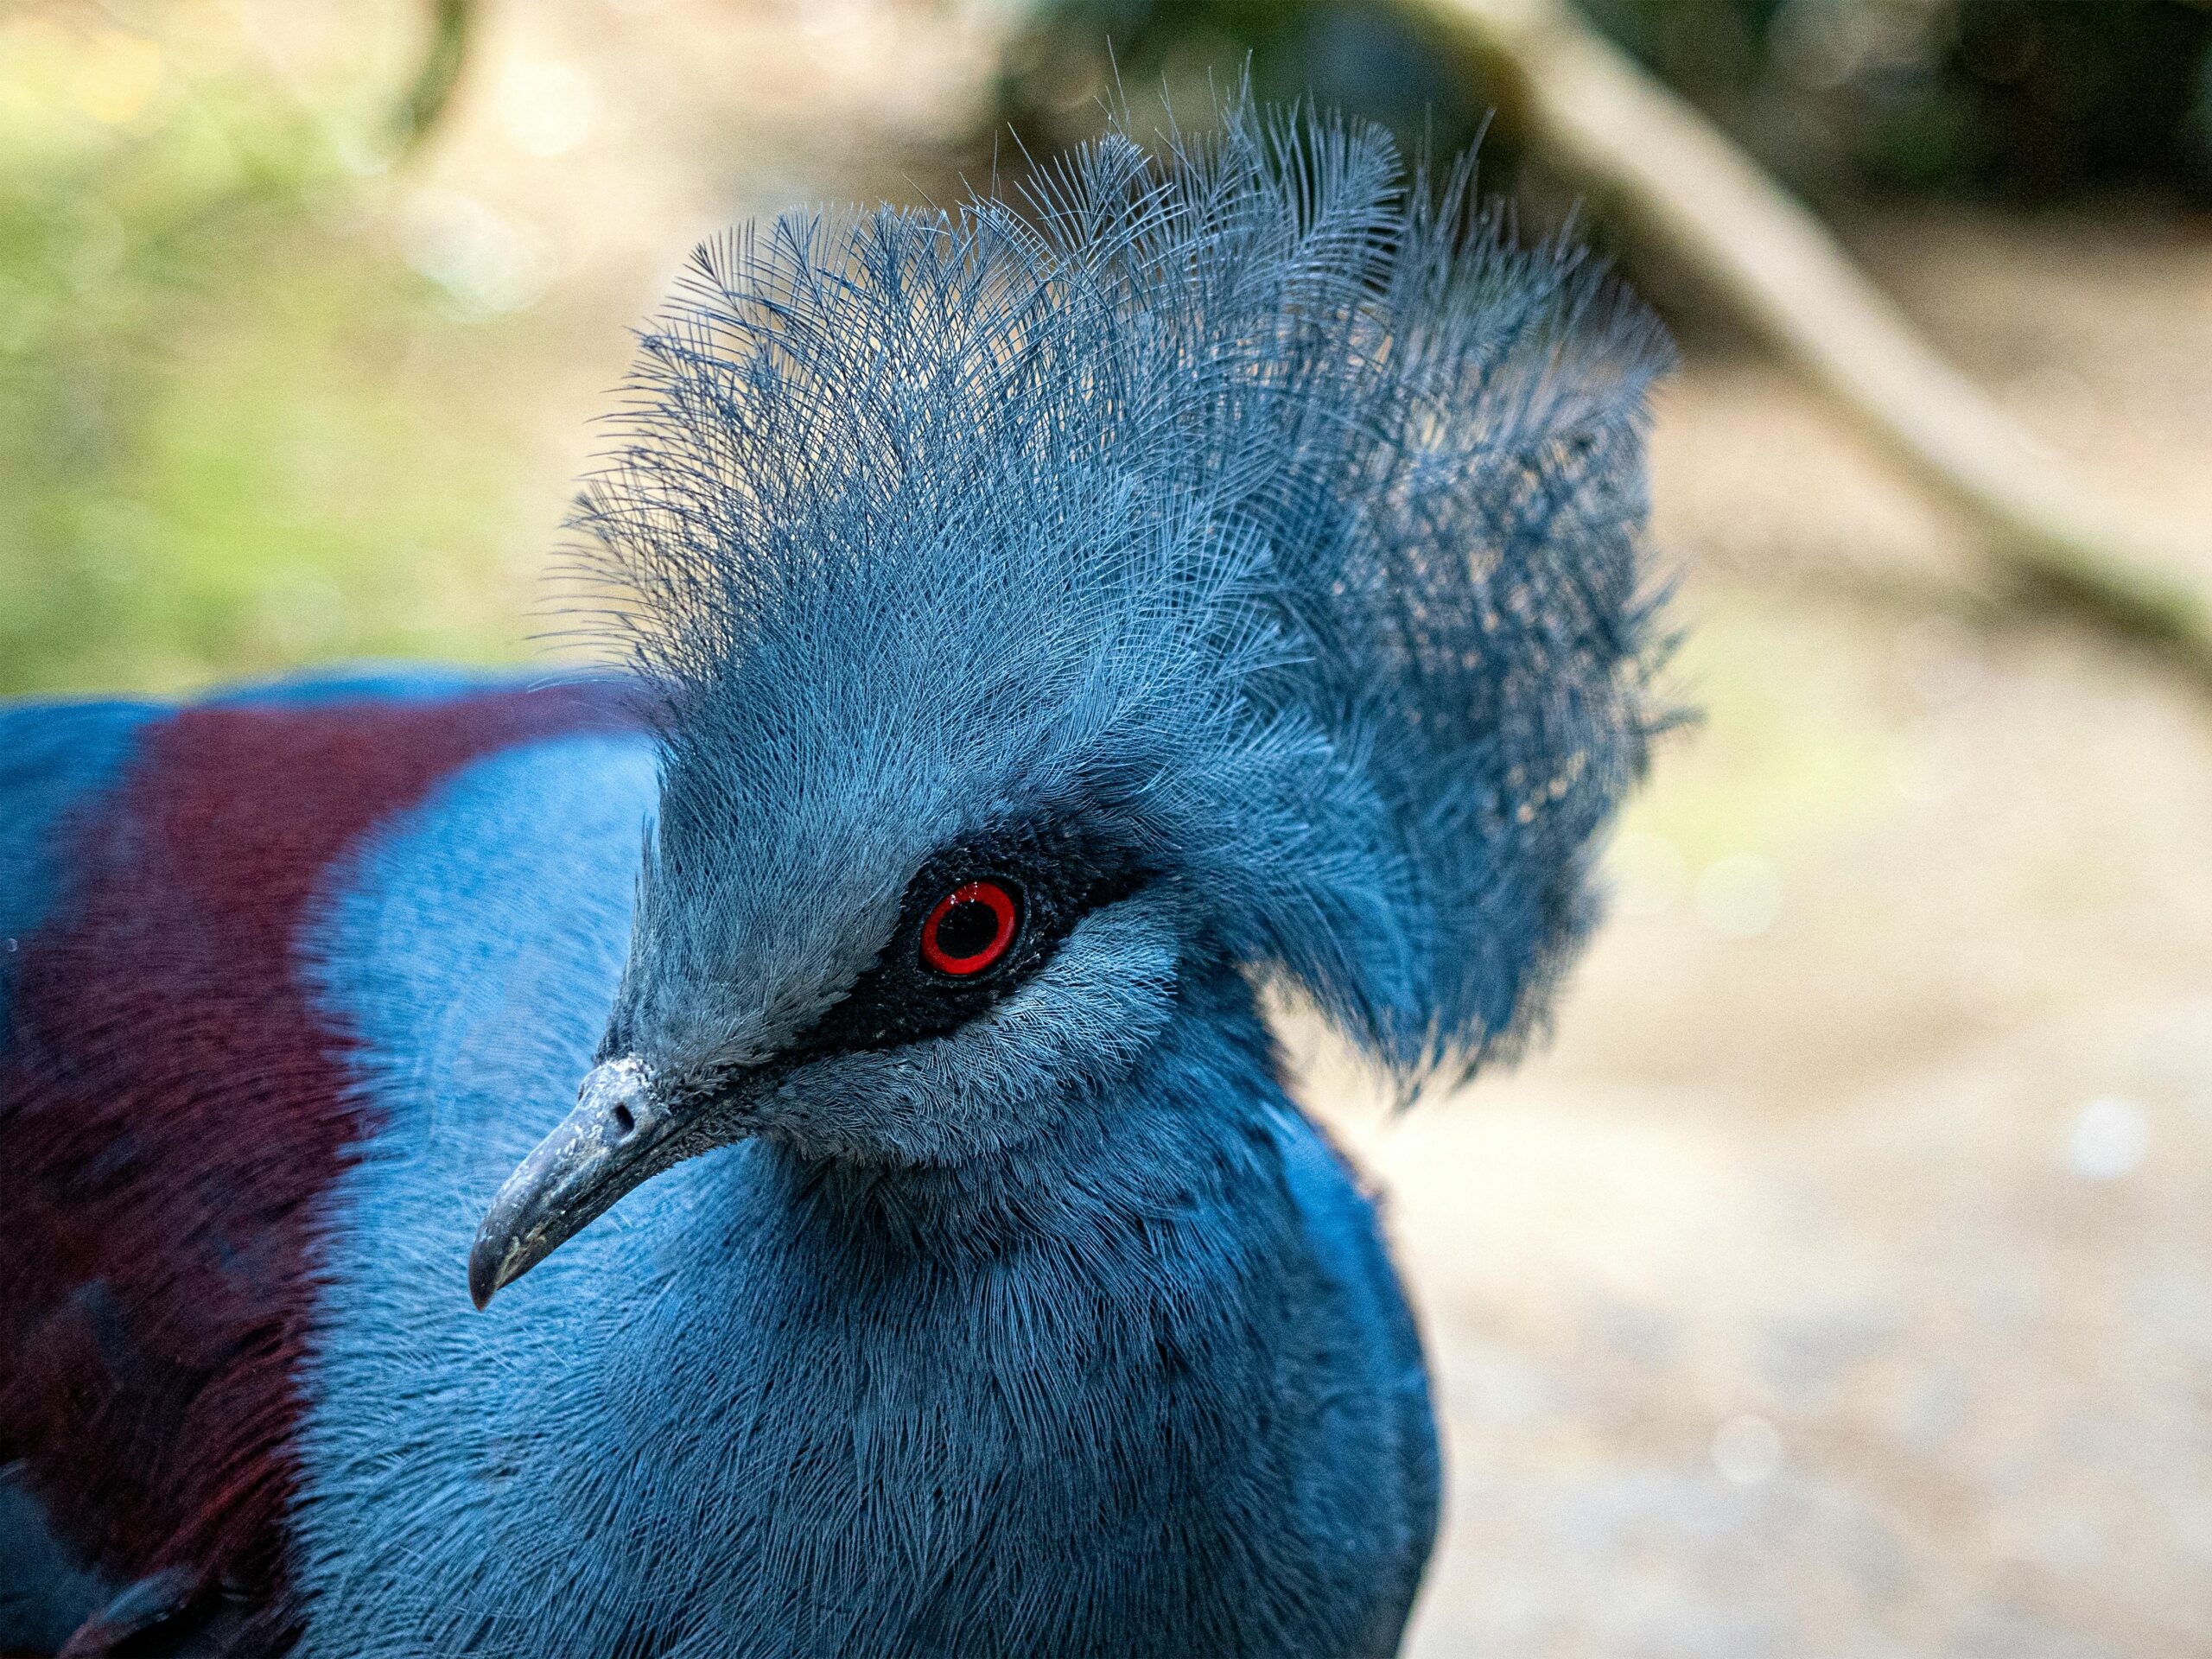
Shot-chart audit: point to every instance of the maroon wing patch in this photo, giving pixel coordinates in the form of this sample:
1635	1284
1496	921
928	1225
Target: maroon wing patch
172	1110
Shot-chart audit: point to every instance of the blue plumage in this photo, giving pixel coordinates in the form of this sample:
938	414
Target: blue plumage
1274	503
1047	625
1153	1393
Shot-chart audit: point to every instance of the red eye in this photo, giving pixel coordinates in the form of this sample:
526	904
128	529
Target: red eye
969	929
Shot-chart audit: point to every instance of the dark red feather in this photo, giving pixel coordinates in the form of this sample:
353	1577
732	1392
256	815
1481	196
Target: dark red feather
173	1112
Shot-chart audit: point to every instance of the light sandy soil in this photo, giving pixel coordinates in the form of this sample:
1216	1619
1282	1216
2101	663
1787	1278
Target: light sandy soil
1839	1281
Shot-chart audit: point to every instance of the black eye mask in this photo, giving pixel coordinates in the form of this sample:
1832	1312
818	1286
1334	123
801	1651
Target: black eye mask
954	953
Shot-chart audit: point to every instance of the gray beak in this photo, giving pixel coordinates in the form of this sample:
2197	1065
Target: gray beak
621	1134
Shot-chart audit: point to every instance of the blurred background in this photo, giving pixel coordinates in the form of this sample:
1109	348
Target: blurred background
1839	1282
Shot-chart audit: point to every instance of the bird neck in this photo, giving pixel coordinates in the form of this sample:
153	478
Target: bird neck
1090	1341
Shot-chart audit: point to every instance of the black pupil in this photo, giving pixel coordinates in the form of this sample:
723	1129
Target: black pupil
967	930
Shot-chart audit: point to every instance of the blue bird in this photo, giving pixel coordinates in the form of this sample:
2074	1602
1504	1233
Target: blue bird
1042	628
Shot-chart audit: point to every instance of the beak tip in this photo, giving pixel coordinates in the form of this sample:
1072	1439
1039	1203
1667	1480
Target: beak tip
487	1274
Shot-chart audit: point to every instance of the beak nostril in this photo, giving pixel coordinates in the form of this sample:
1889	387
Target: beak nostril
624	1121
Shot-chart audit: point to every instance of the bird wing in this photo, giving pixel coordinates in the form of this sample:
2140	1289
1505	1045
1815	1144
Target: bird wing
172	1109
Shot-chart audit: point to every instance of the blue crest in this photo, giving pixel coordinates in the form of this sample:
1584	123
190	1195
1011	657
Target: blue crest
1266	499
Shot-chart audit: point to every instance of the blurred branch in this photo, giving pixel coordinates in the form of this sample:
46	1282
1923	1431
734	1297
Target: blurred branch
2050	540
430	94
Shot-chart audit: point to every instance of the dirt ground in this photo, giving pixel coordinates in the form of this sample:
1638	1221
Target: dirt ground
1836	1284
1839	1282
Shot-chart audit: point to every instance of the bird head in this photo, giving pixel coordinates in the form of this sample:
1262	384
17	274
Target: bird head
1228	565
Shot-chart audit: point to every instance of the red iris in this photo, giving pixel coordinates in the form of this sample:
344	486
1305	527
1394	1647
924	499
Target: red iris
969	929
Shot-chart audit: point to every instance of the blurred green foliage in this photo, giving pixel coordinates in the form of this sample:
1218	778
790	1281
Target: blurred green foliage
262	402
1076	56
211	456
2021	101
2018	100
